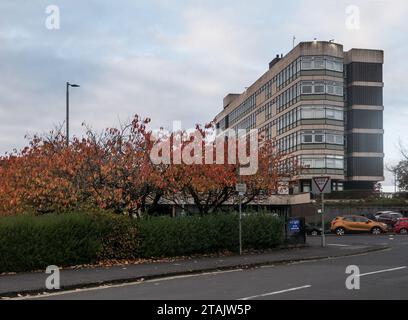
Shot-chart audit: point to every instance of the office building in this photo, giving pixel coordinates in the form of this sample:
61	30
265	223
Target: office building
323	107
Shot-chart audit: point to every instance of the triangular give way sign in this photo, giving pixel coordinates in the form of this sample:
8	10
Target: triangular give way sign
321	182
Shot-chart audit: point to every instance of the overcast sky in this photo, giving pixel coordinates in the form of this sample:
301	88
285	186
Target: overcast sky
174	60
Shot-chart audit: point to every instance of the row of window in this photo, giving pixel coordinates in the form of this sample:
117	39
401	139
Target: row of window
319	136
322	87
306	162
318	63
267	129
322	112
292	141
322	162
288	97
291	95
268	90
248	123
288	74
291	72
289	119
244	108
222	124
269	110
288	166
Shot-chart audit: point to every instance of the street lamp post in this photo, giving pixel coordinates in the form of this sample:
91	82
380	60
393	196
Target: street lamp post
67	109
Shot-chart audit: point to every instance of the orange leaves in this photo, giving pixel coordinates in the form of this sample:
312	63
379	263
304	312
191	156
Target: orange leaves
109	171
113	170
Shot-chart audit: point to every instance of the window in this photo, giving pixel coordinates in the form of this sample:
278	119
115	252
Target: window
319	87
331	114
307	138
337	186
306	187
330	138
319	163
319	138
319	113
307	87
334	88
334	64
338	90
335	162
335	138
339	139
361	219
306	63
330	89
307	113
318	63
330	64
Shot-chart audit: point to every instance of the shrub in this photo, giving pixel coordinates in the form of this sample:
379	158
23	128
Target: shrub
33	242
30	243
262	231
208	234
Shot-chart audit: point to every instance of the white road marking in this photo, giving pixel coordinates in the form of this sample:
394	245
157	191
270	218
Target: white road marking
338	245
275	292
381	271
106	286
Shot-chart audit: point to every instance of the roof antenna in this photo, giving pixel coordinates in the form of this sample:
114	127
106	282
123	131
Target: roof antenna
294	39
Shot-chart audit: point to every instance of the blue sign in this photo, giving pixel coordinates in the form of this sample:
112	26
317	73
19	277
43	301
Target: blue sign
294	225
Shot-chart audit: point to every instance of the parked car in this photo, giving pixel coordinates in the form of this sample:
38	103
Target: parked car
401	226
345	224
312	230
388	217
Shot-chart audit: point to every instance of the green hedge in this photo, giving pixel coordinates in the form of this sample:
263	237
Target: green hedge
32	243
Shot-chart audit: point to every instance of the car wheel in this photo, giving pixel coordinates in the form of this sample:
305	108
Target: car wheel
376	230
403	231
340	231
314	233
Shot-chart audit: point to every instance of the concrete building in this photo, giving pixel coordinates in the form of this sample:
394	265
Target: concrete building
323	107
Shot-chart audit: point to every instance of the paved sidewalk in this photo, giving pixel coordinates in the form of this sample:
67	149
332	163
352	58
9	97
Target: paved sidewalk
11	285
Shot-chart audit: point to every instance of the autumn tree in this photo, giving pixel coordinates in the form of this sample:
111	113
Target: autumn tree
208	182
117	170
111	170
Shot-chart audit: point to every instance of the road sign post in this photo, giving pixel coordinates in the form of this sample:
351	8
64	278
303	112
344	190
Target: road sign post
241	189
321	185
323	222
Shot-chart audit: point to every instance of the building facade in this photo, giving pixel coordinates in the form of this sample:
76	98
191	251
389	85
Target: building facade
322	107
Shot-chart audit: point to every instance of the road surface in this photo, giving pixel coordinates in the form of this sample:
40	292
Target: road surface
383	275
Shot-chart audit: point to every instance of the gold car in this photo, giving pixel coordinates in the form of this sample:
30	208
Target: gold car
341	225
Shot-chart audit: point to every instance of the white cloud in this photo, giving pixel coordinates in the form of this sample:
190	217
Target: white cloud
173	61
